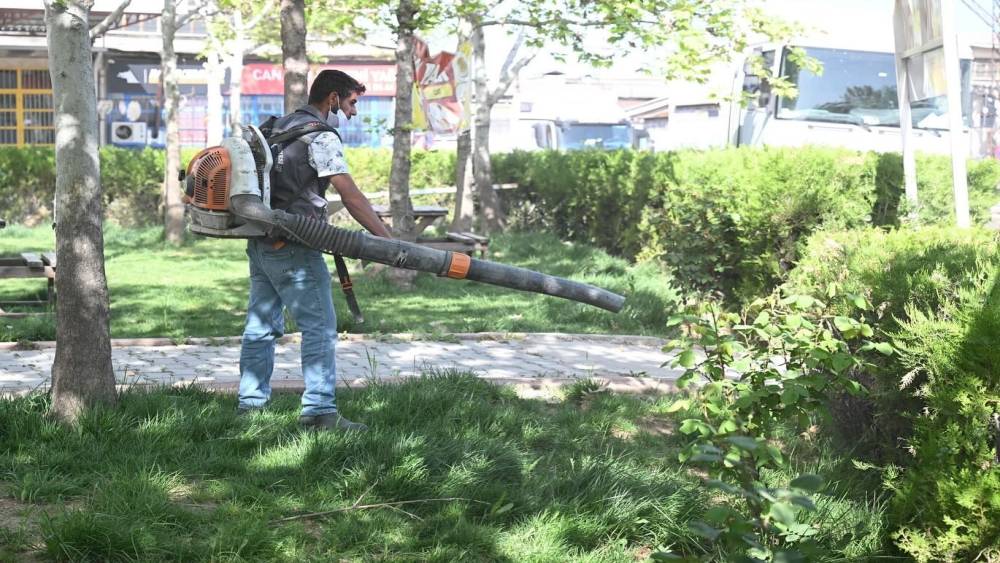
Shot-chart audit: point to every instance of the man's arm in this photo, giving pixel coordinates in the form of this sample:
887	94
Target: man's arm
358	205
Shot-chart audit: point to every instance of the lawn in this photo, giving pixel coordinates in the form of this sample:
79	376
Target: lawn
175	475
200	289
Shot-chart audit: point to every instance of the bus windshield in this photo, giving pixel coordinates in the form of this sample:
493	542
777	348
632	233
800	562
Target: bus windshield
859	87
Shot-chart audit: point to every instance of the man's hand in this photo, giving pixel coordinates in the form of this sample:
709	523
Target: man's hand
358	205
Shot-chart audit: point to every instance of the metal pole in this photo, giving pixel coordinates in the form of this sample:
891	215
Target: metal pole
959	148
905	116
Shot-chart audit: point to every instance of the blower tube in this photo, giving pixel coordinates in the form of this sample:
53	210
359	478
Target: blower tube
400	254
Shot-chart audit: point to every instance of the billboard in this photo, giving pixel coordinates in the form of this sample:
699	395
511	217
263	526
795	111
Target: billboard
442	88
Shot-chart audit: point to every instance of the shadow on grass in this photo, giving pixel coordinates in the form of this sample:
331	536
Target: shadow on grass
175	475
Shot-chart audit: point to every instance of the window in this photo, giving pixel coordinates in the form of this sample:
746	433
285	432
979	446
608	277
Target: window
859	88
583	136
27	116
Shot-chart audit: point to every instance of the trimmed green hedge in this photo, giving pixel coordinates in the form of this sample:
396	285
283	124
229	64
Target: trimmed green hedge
728	220
936	294
132	179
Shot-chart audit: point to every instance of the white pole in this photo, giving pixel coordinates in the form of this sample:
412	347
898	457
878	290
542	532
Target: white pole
905	115
959	148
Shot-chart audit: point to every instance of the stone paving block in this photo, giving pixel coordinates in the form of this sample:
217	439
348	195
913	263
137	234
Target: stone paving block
497	357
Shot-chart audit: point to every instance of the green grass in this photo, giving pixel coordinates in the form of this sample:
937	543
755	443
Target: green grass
175	475
200	289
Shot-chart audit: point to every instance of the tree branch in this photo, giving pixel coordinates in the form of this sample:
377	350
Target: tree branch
257	19
509	70
112	18
193	13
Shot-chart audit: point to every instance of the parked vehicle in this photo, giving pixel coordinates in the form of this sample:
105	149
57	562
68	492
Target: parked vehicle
853	103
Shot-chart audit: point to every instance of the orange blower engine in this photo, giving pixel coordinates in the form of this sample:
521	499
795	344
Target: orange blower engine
229	192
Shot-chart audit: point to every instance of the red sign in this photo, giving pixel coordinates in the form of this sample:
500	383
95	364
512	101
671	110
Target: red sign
269	79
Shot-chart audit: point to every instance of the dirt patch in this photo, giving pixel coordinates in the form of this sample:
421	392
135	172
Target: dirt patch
657	427
22	519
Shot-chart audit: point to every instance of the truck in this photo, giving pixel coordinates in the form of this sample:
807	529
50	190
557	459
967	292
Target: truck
853	103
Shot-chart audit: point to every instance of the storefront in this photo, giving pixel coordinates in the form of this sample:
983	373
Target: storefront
132	108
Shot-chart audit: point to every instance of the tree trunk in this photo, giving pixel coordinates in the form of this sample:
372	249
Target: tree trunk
173	208
464	205
293	53
236	73
216	74
82	373
403	225
489	204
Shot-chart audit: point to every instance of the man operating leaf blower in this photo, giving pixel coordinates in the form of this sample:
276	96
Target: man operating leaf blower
269	185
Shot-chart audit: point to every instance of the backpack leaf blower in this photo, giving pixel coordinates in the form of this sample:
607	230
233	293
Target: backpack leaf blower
229	189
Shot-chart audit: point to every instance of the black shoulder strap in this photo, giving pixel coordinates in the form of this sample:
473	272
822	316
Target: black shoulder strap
286	137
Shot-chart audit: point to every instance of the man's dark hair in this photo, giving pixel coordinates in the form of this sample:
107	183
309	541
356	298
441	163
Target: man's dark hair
337	81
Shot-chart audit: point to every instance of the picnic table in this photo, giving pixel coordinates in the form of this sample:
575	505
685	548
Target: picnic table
29	265
425	216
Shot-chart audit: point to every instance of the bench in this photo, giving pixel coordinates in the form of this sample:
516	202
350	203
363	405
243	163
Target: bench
29	265
466	243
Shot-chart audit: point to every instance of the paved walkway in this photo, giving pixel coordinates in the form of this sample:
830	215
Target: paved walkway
533	362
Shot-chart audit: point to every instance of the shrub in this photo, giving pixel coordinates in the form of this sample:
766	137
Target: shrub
731	220
936	291
132	179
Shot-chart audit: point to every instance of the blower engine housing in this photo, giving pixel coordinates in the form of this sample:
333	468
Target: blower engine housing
216	174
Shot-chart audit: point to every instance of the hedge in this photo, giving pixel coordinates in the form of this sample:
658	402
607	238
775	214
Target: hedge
132	178
728	220
936	294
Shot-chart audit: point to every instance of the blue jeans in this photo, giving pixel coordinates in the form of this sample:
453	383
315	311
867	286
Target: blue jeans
295	278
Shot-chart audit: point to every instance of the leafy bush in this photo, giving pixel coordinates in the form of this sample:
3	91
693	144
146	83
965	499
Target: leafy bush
132	179
936	291
730	220
770	368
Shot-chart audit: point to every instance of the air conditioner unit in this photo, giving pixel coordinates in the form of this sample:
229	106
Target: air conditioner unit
128	132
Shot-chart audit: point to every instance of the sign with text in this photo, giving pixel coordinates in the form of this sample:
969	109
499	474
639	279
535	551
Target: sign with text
269	79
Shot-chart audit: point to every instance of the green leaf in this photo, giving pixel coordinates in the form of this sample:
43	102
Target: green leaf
841	361
804	301
860	302
704	530
690	426
745	443
884	348
763	319
783	514
741	365
686	359
793	321
679	405
844	324
718	514
808	482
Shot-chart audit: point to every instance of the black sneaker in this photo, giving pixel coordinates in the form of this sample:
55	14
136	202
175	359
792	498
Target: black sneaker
332	421
242	411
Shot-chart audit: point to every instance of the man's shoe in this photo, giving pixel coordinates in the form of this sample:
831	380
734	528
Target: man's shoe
332	421
242	411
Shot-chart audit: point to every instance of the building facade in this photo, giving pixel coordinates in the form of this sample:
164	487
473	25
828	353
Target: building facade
129	86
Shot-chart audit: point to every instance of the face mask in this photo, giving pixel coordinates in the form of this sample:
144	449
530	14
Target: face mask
332	118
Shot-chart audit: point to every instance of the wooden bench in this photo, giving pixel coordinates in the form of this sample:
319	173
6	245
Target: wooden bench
29	265
466	243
